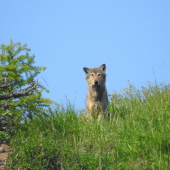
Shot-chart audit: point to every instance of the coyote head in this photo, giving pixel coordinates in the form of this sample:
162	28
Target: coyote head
96	76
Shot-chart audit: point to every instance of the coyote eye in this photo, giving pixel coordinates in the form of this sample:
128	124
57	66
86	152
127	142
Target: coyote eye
91	74
99	75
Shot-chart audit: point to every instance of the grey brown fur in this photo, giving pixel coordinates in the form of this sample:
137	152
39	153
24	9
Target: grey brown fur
97	99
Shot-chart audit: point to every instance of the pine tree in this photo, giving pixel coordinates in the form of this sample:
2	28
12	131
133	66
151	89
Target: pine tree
17	71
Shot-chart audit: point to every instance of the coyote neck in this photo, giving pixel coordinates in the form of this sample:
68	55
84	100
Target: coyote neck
96	94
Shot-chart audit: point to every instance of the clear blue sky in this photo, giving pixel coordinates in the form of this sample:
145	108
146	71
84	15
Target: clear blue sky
130	36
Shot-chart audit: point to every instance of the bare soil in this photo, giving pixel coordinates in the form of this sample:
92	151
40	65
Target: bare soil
4	155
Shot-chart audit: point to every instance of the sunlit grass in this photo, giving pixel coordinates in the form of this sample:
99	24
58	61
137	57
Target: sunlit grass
136	137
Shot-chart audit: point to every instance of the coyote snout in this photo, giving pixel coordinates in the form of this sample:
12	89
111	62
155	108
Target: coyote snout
96	83
97	100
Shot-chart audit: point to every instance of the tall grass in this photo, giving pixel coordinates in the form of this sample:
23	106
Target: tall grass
137	135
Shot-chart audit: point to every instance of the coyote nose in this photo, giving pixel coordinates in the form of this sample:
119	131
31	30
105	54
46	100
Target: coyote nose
96	82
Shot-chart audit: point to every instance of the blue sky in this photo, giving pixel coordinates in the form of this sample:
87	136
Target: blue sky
131	37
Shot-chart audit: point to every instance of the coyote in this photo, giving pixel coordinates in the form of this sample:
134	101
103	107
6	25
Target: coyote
97	100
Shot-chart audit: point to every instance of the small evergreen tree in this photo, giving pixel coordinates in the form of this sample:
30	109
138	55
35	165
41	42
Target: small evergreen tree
17	71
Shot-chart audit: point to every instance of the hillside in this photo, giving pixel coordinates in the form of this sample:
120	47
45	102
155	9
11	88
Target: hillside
135	137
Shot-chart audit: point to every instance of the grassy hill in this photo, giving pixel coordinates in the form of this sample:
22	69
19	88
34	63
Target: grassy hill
136	137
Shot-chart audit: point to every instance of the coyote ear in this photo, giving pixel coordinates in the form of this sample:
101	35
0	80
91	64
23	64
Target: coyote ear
103	67
85	69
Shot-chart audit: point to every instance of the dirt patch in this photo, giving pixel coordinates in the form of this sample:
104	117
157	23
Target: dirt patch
5	151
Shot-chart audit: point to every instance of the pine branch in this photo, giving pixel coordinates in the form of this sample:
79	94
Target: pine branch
19	93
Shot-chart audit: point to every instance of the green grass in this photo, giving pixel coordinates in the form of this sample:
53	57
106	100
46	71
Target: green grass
136	137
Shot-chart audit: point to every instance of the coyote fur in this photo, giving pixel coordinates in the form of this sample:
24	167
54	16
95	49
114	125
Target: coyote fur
96	100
